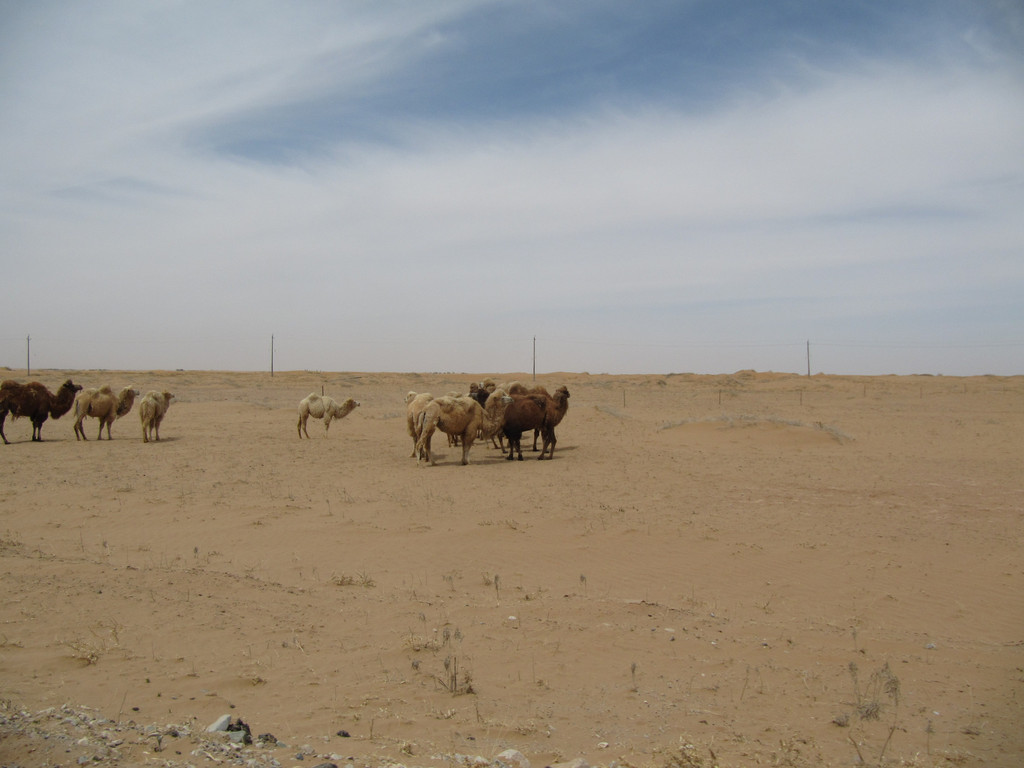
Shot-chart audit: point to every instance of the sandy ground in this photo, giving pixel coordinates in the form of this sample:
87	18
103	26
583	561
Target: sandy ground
714	570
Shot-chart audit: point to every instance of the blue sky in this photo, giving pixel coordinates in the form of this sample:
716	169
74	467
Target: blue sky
644	187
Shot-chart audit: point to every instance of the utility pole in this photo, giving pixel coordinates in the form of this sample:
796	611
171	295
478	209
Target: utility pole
535	359
271	355
808	357
28	356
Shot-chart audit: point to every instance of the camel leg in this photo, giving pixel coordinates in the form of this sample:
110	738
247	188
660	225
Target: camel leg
514	447
3	418
467	443
423	446
549	445
327	426
423	453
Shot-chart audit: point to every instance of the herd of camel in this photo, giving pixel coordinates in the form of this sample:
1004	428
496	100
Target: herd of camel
488	412
36	403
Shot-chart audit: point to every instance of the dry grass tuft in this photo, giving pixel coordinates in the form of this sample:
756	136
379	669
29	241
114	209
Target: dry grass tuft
359	580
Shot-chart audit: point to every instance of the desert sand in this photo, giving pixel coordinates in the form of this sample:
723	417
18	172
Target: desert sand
736	570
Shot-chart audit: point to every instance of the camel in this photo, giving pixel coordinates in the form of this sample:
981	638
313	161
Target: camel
539	412
152	409
462	416
322	407
526	412
518	388
36	402
555	416
480	392
453	440
102	404
414	405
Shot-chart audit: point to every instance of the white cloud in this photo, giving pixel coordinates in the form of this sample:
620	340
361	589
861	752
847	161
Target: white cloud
837	207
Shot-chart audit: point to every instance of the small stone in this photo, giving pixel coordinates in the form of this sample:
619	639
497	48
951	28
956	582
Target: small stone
513	758
220	724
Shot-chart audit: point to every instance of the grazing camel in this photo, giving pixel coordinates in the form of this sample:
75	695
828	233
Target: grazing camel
462	416
36	402
322	407
152	409
102	404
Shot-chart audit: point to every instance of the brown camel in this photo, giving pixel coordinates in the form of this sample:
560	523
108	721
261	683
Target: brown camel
36	402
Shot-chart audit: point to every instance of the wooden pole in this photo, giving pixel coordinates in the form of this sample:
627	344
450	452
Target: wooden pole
535	358
271	355
808	357
28	356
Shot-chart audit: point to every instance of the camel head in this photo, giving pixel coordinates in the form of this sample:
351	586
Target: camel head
65	398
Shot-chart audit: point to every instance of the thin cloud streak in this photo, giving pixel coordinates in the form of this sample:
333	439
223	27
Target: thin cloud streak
876	202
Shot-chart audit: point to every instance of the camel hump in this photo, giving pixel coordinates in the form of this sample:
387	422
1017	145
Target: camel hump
106	390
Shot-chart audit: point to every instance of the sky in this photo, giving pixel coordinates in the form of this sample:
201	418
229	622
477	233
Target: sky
490	186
